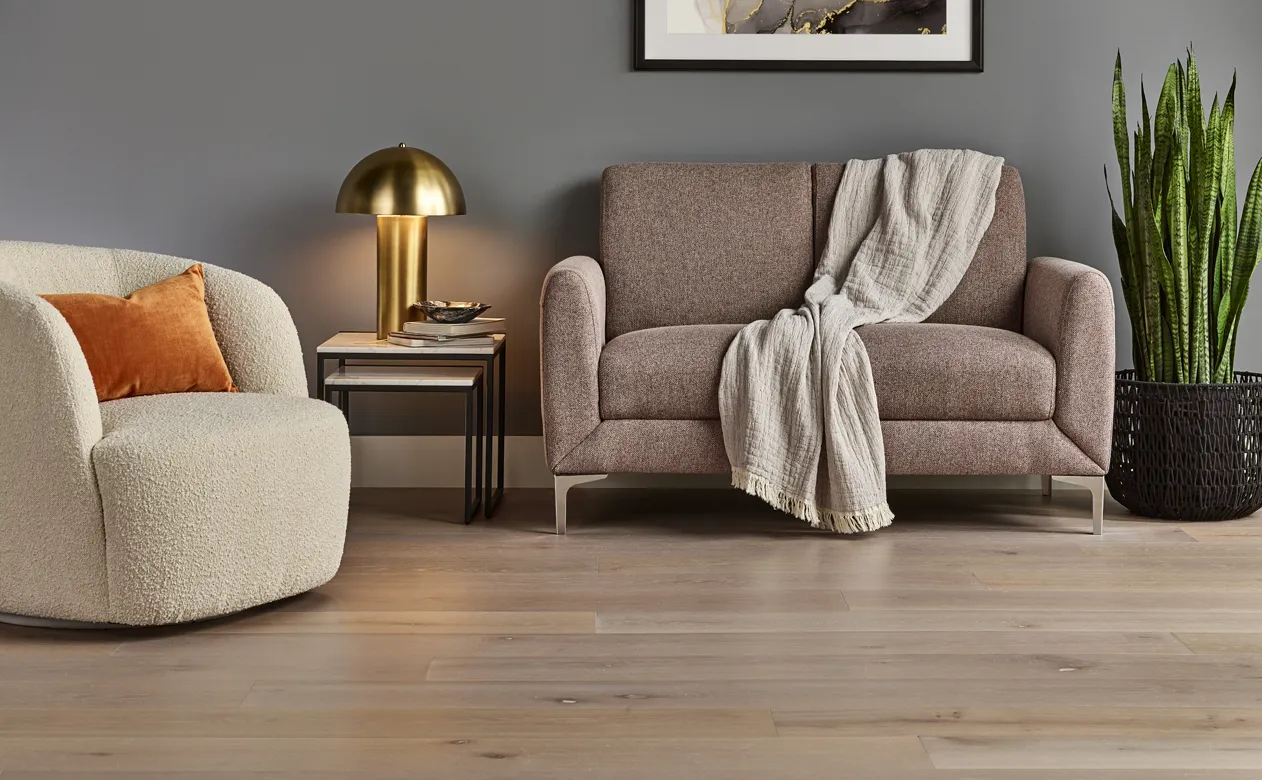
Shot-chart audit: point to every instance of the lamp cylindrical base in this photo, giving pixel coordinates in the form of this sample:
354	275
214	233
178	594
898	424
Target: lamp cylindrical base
400	270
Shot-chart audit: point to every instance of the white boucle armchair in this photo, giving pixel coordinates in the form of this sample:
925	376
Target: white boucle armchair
160	509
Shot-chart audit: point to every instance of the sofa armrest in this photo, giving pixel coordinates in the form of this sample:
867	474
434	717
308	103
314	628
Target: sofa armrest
52	531
572	335
1069	310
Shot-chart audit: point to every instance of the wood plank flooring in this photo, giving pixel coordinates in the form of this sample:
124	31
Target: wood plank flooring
686	634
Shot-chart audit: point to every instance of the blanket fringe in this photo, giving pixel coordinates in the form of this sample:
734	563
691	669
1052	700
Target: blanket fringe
866	520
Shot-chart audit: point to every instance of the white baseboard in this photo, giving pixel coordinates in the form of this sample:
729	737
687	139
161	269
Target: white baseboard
438	461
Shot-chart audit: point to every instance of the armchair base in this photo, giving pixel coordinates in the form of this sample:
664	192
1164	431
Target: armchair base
26	621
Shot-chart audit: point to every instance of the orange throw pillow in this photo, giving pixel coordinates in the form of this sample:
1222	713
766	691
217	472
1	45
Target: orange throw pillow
156	340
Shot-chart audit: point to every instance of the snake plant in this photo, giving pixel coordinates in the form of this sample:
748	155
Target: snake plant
1186	255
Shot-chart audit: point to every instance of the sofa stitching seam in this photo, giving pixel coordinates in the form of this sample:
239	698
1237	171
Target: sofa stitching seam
576	447
1078	447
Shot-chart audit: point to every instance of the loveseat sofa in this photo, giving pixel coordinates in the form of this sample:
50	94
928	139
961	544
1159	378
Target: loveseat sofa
1014	374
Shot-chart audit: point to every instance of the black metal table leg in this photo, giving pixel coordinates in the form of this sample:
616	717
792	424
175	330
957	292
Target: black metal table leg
496	391
344	396
488	431
480	421
472	433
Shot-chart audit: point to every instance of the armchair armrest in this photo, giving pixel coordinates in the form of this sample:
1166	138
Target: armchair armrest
52	531
1069	310
572	335
256	334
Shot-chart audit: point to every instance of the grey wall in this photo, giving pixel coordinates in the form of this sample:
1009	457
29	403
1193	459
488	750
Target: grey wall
220	130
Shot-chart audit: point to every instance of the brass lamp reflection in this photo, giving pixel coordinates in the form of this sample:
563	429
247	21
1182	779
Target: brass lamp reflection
402	186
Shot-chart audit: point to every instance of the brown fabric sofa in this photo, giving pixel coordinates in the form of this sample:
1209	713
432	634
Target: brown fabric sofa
1013	375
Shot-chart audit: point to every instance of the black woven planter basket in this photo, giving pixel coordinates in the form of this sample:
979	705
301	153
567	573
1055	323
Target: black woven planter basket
1188	452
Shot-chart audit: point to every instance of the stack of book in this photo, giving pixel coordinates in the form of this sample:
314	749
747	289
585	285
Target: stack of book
431	335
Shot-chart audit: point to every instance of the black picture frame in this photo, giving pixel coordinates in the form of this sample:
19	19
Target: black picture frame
974	65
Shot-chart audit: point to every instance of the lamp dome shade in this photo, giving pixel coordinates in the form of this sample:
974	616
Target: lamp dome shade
401	181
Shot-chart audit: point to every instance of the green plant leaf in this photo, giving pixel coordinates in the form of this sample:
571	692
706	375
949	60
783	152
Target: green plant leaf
1205	212
1121	139
1223	366
1179	296
1169	366
1248	248
1124	257
1145	144
1194	116
1146	308
1164	139
1212	222
1228	219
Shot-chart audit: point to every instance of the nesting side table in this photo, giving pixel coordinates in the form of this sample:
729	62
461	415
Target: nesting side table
424	379
354	350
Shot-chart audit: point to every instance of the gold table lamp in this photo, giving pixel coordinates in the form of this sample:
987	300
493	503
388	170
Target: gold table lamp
402	186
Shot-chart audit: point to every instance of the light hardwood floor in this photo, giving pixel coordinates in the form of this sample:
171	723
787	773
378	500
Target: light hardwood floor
687	634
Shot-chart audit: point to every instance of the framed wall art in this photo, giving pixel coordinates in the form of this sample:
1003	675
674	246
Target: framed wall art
928	35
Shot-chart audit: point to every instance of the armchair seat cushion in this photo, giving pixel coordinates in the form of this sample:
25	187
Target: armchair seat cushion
921	372
217	502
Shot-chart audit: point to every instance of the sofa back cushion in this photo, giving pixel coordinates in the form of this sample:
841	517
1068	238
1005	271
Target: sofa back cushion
714	244
992	292
701	244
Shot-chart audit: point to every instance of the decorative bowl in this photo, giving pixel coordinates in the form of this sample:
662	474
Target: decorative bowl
452	312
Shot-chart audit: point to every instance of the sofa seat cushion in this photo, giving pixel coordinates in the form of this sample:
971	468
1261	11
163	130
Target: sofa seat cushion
921	372
667	373
216	502
959	372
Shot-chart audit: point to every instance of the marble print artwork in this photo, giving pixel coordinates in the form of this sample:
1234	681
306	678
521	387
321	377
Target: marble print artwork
836	17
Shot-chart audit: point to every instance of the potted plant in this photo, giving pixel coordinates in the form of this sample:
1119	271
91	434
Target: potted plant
1187	439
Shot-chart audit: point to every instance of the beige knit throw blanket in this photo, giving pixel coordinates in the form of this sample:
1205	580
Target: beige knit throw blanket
796	397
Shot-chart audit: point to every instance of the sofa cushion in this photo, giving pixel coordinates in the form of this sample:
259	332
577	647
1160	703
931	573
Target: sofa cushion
664	373
921	372
693	244
157	340
959	372
992	291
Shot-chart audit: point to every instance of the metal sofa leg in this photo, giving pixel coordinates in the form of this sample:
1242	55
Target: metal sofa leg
1096	486
561	486
1047	484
